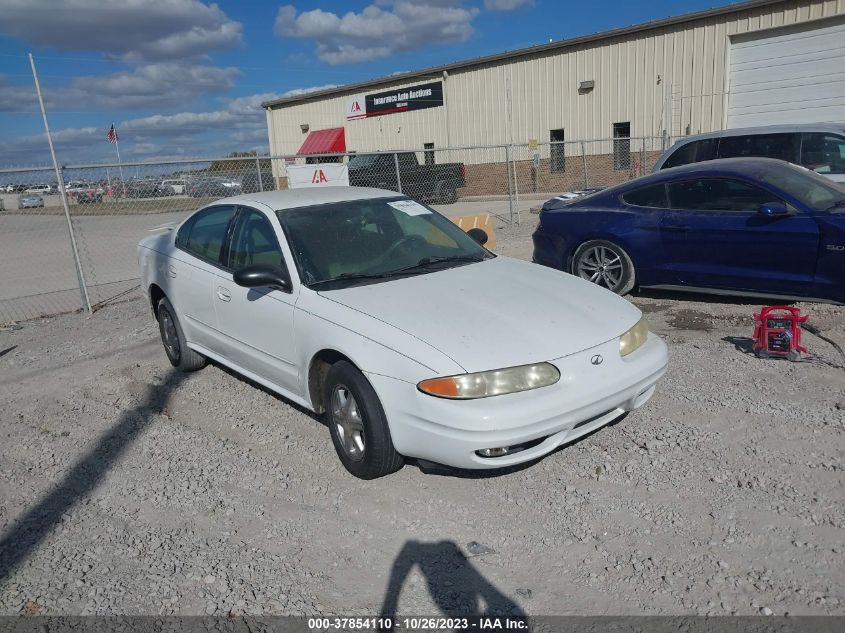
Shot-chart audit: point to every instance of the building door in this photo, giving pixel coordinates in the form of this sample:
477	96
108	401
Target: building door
792	75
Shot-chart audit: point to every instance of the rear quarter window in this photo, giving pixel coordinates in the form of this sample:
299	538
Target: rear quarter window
653	196
693	152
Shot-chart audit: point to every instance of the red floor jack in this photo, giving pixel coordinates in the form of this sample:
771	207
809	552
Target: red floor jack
777	332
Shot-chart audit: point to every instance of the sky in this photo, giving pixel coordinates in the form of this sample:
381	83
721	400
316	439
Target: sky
185	78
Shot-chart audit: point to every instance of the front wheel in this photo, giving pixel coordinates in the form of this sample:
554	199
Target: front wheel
357	424
173	339
606	264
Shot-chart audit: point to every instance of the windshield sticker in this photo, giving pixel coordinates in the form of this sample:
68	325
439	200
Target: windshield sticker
409	207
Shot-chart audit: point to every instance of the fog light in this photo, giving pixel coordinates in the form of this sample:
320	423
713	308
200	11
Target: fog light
494	452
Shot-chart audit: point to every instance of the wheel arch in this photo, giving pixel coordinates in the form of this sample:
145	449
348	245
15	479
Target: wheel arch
156	294
318	367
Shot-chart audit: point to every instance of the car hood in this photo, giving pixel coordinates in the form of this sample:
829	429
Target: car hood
497	313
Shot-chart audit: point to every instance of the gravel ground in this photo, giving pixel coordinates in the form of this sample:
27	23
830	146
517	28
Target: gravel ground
128	489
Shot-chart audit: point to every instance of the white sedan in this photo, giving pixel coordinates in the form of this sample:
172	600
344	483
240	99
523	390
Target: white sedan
412	338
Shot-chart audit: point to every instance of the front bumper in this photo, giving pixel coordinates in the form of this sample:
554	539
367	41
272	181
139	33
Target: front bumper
587	397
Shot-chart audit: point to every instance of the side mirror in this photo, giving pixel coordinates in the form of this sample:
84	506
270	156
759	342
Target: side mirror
261	276
479	235
773	209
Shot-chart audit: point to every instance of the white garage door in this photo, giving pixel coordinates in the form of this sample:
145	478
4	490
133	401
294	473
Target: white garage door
794	76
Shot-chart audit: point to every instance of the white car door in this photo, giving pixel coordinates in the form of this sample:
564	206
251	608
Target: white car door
257	323
191	273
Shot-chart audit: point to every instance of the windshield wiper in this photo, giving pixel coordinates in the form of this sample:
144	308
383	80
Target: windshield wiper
421	265
425	262
836	205
361	276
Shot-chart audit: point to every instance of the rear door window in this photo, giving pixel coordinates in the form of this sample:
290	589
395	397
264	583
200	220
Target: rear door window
205	233
694	152
780	146
823	153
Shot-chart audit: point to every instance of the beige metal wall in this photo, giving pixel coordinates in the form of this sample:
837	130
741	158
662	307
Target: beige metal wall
673	78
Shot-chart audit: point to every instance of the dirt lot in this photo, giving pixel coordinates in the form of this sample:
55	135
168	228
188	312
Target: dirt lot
125	488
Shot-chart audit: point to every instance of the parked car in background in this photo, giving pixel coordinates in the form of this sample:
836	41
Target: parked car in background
84	192
426	181
820	148
174	185
213	187
30	201
336	298
144	189
44	189
735	226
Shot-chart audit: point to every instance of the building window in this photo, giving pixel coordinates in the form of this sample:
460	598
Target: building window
557	152
429	154
622	146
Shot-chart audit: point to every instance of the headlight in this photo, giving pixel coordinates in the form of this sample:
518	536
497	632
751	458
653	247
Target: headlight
634	338
492	383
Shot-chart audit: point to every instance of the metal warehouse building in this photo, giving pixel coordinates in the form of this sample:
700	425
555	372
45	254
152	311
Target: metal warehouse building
755	63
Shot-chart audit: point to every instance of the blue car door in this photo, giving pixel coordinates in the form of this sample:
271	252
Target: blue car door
718	238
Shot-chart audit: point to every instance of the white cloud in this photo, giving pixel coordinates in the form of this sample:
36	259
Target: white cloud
239	124
507	5
147	86
133	29
376	33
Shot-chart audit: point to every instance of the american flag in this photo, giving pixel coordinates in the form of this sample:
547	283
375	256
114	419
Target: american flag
112	135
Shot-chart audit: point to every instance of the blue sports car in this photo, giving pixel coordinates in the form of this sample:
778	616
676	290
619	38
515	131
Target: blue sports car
749	226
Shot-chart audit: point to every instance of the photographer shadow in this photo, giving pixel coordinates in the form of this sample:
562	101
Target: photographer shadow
458	589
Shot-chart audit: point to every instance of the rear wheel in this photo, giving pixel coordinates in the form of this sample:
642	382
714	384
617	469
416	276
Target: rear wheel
173	339
606	264
357	424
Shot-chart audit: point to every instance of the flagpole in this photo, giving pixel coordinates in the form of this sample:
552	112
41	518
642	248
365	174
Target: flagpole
119	165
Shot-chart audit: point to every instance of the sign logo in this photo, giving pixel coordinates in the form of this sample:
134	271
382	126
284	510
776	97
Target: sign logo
598	359
356	107
319	177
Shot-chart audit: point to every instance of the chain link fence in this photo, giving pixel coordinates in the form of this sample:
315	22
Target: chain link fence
110	207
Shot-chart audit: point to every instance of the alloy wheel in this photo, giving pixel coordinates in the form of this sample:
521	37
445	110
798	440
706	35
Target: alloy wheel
601	265
346	417
169	335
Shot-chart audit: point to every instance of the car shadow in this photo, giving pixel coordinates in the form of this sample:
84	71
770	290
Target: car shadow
455	585
26	532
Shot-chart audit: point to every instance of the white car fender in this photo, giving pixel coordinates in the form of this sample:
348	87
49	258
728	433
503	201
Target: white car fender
372	345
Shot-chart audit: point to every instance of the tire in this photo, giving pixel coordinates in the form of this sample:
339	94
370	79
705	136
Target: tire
175	346
357	424
605	264
445	193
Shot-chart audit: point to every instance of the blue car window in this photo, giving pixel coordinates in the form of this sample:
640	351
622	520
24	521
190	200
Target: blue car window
652	196
718	194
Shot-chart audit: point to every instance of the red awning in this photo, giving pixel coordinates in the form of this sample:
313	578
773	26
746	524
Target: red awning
329	141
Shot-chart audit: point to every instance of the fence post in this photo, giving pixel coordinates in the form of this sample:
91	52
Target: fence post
510	189
398	177
515	188
258	171
60	182
643	170
584	161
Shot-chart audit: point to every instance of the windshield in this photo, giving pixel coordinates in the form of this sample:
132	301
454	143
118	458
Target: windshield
816	192
339	244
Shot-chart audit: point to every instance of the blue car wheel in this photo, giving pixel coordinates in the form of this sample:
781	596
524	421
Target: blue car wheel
606	264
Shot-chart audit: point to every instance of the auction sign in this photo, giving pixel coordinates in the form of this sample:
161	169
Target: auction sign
399	100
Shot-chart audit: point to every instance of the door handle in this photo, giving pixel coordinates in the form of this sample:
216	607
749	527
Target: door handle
223	294
171	270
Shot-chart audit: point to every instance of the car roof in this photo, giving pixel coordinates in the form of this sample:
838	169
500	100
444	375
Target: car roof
742	167
309	196
835	127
